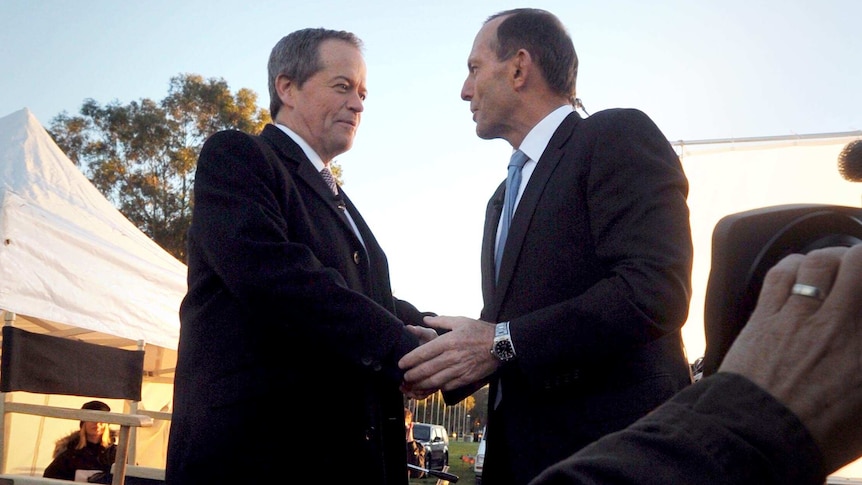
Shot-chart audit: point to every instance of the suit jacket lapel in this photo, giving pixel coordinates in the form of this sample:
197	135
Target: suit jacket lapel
493	211
292	156
533	192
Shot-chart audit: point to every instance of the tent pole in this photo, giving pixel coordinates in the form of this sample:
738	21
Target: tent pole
9	317
131	458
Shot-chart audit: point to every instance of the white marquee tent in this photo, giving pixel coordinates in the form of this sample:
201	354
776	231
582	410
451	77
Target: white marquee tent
72	265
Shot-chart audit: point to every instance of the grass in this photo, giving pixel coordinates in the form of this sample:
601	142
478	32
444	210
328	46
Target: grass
457	466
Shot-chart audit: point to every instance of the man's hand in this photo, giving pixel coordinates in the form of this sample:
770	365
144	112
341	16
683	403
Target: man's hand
454	359
808	353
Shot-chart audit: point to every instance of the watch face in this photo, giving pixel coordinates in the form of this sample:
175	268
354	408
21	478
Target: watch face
503	350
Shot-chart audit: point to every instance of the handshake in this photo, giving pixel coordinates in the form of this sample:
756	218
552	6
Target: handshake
457	358
802	345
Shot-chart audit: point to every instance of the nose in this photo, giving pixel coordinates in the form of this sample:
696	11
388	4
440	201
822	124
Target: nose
467	89
355	103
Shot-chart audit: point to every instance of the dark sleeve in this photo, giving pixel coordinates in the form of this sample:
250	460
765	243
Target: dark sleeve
721	430
409	314
60	468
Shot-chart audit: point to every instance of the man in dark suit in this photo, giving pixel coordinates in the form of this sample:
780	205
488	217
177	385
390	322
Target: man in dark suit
584	321
290	335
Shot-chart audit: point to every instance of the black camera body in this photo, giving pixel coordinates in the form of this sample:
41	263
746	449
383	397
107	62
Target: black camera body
746	244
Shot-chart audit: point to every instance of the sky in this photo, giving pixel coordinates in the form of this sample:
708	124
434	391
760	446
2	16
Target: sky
418	173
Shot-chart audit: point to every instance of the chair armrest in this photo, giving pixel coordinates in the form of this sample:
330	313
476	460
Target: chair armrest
143	472
136	420
12	479
160	415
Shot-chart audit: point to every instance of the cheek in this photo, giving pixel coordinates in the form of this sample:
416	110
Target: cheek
477	87
485	87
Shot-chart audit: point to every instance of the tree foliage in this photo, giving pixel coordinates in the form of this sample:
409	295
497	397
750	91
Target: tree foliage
142	156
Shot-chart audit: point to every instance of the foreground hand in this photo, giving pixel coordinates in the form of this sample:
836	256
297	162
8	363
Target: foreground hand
454	359
808	353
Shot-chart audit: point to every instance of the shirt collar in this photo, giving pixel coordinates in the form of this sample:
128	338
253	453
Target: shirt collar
306	148
537	139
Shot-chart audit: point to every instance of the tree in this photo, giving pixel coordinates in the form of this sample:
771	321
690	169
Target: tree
142	156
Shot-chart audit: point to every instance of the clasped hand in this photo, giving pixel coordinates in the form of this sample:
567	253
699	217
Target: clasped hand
457	358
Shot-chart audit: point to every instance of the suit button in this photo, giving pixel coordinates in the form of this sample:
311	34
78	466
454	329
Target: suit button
356	257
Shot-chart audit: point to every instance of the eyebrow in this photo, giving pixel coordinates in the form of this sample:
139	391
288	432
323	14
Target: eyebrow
345	79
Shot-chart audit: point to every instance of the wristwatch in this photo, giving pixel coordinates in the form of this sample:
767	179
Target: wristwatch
503	348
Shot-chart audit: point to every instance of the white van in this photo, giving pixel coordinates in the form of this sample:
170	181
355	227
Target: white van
480	459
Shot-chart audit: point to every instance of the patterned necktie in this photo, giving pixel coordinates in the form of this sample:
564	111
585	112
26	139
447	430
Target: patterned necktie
513	183
329	179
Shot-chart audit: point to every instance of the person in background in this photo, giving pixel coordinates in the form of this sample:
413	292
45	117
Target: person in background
91	449
783	407
408	424
415	450
289	317
586	292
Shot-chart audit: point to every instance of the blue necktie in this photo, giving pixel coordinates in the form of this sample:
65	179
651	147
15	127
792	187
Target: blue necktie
513	183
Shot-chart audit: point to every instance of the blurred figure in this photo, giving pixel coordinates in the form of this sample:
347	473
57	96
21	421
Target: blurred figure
415	451
783	407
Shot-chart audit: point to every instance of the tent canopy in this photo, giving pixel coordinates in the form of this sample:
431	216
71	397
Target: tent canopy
71	264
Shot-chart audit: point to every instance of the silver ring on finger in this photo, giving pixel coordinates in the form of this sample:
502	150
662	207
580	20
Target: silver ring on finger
809	291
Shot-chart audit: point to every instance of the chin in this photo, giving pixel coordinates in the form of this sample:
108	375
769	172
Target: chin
485	135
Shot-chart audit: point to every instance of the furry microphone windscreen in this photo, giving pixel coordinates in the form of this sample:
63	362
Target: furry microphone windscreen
850	161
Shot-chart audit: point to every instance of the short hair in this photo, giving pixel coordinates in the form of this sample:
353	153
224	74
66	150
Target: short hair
297	56
543	35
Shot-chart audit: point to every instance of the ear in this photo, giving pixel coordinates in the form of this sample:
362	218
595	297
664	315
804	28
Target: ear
522	66
285	89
